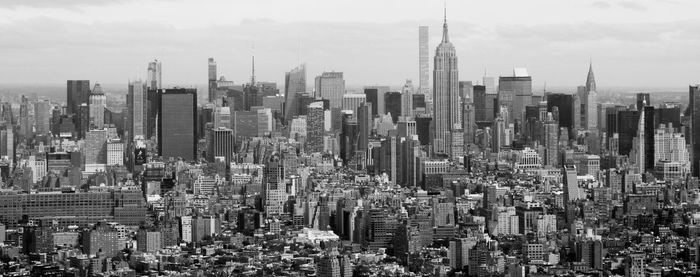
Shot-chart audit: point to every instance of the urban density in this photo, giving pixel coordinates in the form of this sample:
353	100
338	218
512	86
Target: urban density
439	177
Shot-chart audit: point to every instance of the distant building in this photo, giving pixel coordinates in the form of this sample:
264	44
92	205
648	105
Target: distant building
177	124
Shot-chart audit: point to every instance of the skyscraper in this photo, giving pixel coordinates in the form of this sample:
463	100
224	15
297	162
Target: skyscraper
78	92
588	103
220	143
314	129
331	86
42	113
212	80
407	99
423	59
137	107
375	95
98	104
643	100
392	102
154	75
694	107
177	133
294	84
446	115
515	92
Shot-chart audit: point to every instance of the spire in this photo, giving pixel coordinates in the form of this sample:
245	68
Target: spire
590	80
445	37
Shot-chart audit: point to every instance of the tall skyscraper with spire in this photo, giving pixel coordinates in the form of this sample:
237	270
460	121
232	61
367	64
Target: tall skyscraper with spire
446	108
154	75
588	98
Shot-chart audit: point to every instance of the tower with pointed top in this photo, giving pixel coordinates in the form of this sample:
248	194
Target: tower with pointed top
446	108
588	97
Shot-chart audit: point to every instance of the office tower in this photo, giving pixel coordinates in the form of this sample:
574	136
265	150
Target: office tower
446	116
627	124
331	86
469	121
78	92
348	136
648	138
115	152
137	110
466	91
571	190
352	101
479	100
670	146
489	85
220	143
423	123
407	99
294	84
42	116
515	93
588	101
314	129
154	75
423	59
83	120
26	118
640	159
95	150
222	117
694	108
212	80
252	97
329	266
177	124
643	100
419	105
668	113
551	141
375	95
148	241
364	124
392	102
565	104
7	144
98	104
101	239
459	252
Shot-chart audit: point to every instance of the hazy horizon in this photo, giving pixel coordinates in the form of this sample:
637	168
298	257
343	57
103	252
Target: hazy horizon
645	43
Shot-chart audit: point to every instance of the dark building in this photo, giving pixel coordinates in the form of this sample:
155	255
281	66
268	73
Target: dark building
565	104
364	125
666	115
627	124
694	108
153	110
423	128
643	99
78	92
392	102
418	101
177	134
253	96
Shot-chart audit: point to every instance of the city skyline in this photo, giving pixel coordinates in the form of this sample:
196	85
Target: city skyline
643	44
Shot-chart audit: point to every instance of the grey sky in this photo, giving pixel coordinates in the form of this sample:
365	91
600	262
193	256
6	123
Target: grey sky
632	43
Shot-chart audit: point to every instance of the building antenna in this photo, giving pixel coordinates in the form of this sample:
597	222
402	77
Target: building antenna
252	76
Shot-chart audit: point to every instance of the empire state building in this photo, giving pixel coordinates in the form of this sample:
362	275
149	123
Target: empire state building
447	124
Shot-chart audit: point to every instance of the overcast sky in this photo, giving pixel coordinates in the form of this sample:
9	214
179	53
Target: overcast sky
631	42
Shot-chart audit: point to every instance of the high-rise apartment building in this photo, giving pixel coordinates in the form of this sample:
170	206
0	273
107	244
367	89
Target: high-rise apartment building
177	123
154	75
212	80
423	59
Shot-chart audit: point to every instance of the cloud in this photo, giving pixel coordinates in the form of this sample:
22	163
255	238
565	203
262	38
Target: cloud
601	4
632	5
